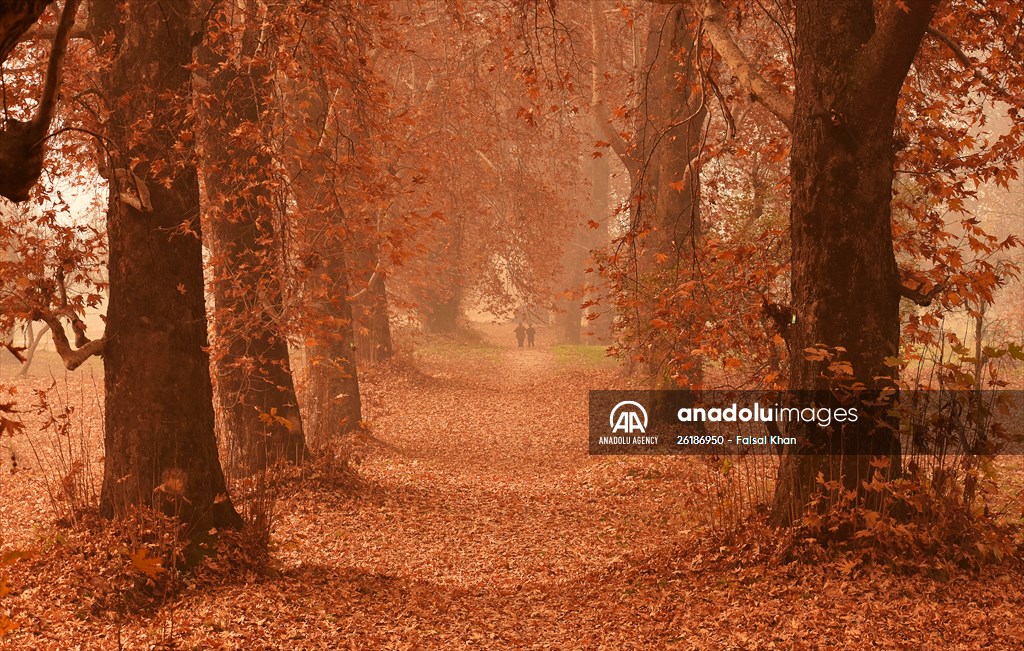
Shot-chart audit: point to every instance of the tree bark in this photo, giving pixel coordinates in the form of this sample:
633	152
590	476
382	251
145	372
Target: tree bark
159	439
333	404
331	401
23	144
850	66
442	303
16	18
669	187
254	384
372	322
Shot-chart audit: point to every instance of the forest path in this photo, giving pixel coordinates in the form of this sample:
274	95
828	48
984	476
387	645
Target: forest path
488	484
487	506
487	526
484	524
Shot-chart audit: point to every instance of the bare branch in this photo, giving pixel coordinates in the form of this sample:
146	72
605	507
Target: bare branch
369	283
776	101
618	143
16	351
924	299
86	348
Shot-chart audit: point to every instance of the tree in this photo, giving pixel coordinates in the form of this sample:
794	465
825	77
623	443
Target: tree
853	118
314	150
254	383
657	276
851	62
16	18
23	143
159	429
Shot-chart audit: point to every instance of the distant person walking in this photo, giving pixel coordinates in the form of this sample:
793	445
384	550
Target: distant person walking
531	334
521	334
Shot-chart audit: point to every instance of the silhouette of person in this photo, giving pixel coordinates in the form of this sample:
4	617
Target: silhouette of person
531	333
521	334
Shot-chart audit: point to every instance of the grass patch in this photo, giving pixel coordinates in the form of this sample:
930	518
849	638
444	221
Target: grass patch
583	356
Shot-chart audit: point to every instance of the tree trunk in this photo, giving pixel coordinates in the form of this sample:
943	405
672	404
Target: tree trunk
443	296
31	345
331	398
573	331
380	320
250	351
573	260
443	314
600	329
159	433
372	323
850	66
669	192
333	405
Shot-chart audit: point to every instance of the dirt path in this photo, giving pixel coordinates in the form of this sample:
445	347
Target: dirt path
484	518
488	485
484	525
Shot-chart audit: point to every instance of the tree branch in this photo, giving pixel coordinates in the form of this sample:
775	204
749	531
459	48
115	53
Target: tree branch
48	102
618	143
38	33
969	65
15	21
85	347
777	102
369	283
886	58
924	299
15	350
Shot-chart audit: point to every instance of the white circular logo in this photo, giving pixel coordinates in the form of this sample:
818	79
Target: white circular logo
629	417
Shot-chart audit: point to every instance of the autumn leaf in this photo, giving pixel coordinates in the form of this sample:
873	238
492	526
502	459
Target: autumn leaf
142	562
7	625
815	354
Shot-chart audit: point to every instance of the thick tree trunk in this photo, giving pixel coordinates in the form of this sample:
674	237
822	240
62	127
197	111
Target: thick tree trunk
442	305
333	405
312	147
380	320
159	432
572	332
573	260
850	65
250	351
373	325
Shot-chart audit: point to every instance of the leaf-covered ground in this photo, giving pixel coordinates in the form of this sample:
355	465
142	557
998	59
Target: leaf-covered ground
481	523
